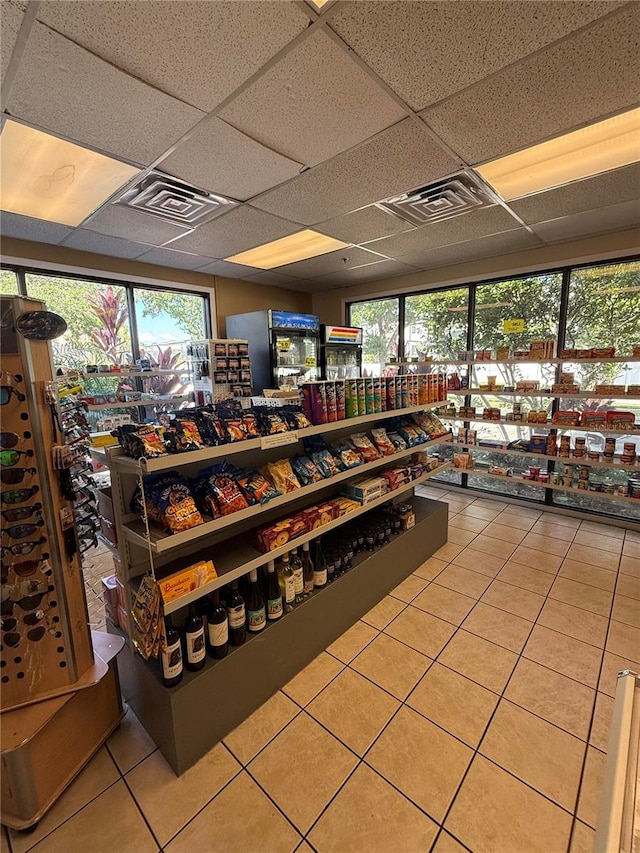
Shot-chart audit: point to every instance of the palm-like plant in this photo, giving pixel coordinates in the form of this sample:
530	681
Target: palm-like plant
166	359
110	309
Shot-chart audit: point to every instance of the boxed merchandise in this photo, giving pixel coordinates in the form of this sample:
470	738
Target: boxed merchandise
603	352
609	390
367	490
541	349
527	386
344	505
566	417
633	390
186	580
396	477
538	444
621	420
327	512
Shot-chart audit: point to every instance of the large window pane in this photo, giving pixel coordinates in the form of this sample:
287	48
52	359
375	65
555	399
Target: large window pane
380	319
436	324
8	283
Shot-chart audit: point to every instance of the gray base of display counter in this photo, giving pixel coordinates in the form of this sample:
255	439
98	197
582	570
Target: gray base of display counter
186	721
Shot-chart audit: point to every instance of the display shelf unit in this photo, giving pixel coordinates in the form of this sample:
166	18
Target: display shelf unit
546	426
130	404
618	359
132	374
478	472
616	465
577	395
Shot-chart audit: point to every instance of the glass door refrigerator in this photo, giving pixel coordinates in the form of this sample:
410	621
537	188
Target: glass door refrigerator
284	347
340	352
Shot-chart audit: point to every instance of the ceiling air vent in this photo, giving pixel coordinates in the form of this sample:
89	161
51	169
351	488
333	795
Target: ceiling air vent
441	200
171	199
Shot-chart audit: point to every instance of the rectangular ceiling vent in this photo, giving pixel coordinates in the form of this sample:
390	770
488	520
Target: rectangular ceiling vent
171	199
441	200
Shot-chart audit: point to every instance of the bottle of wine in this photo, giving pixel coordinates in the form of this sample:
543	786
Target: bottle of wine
171	656
194	640
298	580
320	566
217	627
287	588
274	595
237	616
256	611
307	570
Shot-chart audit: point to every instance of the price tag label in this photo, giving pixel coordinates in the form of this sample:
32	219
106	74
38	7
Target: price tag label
284	344
278	440
309	362
512	326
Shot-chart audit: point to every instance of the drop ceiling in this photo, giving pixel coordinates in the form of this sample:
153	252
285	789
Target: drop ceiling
307	119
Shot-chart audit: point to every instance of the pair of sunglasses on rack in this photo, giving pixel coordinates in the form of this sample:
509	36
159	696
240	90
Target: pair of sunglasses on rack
13	638
19	496
26	603
9	440
8	458
26	569
21	531
5	394
21	512
13	476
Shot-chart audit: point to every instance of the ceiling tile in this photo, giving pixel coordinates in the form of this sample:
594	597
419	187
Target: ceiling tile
583	78
496	244
171	258
476	223
275	279
129	224
615	217
428	50
221	159
397	160
314	103
12	15
226	269
332	261
371	272
240	229
369	223
611	187
91	241
64	89
197	51
26	228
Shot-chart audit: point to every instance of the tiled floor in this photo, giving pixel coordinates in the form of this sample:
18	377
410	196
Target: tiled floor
469	710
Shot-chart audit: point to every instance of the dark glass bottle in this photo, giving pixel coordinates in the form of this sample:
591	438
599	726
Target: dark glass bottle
256	610
307	569
194	640
320	566
274	594
217	627
237	616
171	656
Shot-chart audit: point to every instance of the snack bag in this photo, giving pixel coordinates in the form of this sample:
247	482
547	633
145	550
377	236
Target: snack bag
272	423
382	442
397	440
172	497
223	491
305	470
364	447
235	429
326	462
211	427
346	453
250	423
281	473
255	486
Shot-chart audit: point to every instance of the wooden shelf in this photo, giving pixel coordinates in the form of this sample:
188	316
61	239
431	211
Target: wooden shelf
547	426
609	466
618	359
582	395
137	374
584	492
95	407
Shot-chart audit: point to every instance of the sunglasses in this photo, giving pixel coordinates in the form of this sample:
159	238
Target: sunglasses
26	569
18	496
33	635
21	548
9	439
27	603
88	543
10	623
21	531
5	394
12	457
21	512
16	475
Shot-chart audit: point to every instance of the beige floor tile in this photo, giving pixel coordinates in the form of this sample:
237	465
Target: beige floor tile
603	529
98	775
631	549
311	680
478	659
352	642
591	575
630	566
495	813
504	532
526	578
554	530
603	714
628	586
546	544
459	536
582	595
448	551
582	838
431	568
611	666
233	821
537	559
624	640
447	844
391	665
303	847
537	752
478	561
498	626
130	743
594	557
520	519
626	610
386	610
597	540
489	503
564	520
444	603
484	512
110	822
247	739
368	814
592	780
282	770
552	696
574	622
354	710
514	600
168	801
409	588
563	654
456	504
467	522
422	631
453	702
495	547
463	580
632	536
422	760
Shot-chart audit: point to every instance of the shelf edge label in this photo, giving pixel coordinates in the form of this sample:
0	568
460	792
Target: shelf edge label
278	440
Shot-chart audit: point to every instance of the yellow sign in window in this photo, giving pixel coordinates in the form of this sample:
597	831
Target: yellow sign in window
512	326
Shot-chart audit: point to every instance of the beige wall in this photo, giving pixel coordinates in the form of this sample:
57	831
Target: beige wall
232	295
331	304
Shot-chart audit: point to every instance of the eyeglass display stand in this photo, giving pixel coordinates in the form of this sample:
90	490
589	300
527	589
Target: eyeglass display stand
60	693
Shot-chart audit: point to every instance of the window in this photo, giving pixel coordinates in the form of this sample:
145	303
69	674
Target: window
380	319
436	324
9	283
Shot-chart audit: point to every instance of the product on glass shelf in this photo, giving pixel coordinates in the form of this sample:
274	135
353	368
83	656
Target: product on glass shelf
194	640
287	583
463	461
217	626
298	578
172	666
236	615
566	418
275	607
256	610
538	444
307	570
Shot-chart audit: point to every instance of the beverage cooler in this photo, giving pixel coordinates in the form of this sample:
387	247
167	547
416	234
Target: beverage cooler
284	346
340	352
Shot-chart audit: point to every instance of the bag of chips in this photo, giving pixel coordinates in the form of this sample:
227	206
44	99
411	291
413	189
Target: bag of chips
295	419
347	455
328	464
234	429
172	497
255	486
144	441
250	423
272	423
219	492
282	476
382	442
211	427
397	440
305	470
364	447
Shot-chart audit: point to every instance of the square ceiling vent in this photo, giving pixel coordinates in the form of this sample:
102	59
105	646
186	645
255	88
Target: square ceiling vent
171	199
441	200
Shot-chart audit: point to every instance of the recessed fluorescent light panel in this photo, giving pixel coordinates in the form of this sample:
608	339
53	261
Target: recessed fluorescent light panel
589	151
47	178
297	247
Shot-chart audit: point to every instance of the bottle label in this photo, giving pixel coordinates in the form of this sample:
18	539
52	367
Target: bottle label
256	619
236	616
196	649
308	585
172	661
298	582
320	577
289	589
218	633
274	607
